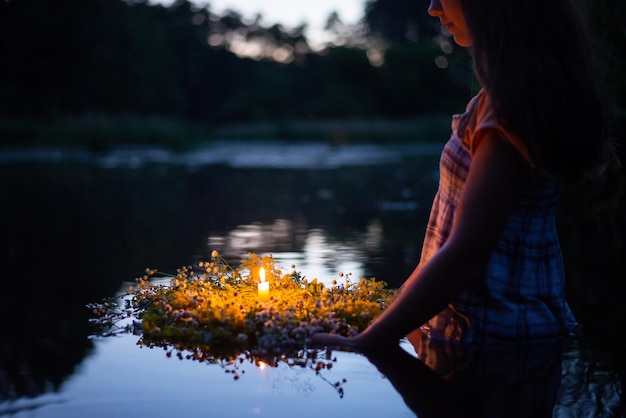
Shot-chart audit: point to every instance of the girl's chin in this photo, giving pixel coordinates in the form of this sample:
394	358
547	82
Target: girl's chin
461	41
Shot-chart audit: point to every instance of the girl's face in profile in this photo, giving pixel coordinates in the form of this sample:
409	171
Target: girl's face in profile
450	14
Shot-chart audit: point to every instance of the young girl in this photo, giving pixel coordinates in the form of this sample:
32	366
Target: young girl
491	266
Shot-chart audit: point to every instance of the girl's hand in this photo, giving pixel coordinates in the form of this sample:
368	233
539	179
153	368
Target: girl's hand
359	342
333	340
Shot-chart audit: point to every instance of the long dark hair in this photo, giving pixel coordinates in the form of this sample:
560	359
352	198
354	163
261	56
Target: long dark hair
534	59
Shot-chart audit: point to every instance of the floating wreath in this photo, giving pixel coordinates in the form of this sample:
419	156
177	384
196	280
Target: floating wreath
218	314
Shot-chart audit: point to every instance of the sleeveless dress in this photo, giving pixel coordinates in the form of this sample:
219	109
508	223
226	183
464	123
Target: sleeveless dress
521	296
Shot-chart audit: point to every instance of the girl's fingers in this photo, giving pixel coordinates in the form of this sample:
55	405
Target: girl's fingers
330	339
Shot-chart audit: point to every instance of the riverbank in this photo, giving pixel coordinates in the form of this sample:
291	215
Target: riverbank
232	153
102	132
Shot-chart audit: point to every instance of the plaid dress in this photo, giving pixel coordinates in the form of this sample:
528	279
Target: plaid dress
521	296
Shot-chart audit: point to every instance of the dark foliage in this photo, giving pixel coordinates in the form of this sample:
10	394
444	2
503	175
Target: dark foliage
110	57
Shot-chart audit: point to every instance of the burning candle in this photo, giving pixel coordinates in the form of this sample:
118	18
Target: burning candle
264	287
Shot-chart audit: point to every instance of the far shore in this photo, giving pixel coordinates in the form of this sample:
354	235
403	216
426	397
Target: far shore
102	132
283	154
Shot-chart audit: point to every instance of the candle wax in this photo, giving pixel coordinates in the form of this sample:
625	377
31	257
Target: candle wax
264	290
264	287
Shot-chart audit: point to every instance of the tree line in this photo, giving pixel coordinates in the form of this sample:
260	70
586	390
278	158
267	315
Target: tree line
114	57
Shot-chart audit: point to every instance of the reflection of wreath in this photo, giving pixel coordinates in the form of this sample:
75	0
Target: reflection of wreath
217	316
312	359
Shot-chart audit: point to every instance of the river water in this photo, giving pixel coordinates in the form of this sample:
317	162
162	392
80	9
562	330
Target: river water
77	227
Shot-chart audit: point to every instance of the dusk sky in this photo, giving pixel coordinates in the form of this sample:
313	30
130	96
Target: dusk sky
291	13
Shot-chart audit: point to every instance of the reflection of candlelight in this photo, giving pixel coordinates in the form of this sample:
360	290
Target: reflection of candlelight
264	287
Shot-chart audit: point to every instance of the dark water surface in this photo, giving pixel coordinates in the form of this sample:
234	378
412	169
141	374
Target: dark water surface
77	227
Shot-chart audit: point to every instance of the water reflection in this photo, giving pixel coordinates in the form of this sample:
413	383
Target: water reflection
74	231
497	381
74	228
312	251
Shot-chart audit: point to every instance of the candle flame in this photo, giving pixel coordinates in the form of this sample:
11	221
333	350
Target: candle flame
262	274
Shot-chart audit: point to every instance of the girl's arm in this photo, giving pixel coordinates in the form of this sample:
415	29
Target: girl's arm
494	183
